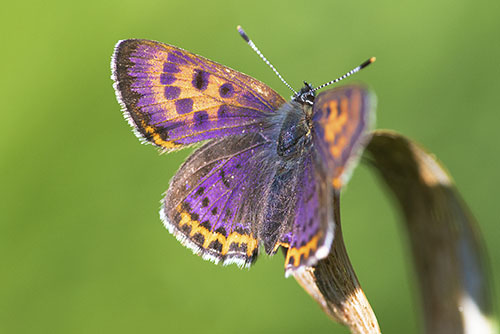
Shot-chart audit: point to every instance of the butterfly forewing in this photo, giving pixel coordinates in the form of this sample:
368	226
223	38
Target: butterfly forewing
341	118
174	98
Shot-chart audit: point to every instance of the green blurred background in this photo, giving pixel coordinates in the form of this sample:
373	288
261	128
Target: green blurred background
82	246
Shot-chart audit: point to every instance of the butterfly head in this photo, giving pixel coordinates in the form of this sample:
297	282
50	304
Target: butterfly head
306	95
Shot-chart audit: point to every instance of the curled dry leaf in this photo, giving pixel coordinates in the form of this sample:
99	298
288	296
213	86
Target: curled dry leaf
446	248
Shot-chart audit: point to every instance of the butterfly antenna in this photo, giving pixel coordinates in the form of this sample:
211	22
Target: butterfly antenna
351	72
252	45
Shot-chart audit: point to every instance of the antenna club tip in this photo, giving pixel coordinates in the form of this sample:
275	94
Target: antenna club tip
242	33
366	63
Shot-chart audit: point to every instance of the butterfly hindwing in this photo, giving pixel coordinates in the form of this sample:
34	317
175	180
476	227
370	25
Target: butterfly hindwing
341	118
174	98
312	229
210	202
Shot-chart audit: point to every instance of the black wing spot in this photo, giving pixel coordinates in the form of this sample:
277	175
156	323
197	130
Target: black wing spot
200	79
198	238
215	245
221	230
200	191
223	178
206	224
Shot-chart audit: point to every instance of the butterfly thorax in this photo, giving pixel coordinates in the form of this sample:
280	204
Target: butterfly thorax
295	132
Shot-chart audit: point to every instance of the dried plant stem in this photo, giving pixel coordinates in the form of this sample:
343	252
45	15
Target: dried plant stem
446	247
333	284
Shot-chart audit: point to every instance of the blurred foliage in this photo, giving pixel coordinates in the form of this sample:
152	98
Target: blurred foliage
83	249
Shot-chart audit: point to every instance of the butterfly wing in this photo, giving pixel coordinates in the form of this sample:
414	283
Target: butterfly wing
311	233
212	203
341	118
173	98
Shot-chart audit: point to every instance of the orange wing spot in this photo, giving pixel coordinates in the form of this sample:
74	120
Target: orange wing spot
305	250
337	183
156	137
278	244
329	133
336	150
334	125
156	65
210	236
239	239
337	180
341	119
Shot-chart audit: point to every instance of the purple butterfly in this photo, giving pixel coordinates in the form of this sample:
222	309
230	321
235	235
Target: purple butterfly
267	170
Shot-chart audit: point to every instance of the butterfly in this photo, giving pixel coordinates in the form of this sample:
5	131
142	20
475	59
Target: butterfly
266	171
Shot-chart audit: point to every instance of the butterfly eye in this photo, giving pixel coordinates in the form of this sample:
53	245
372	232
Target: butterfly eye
306	95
